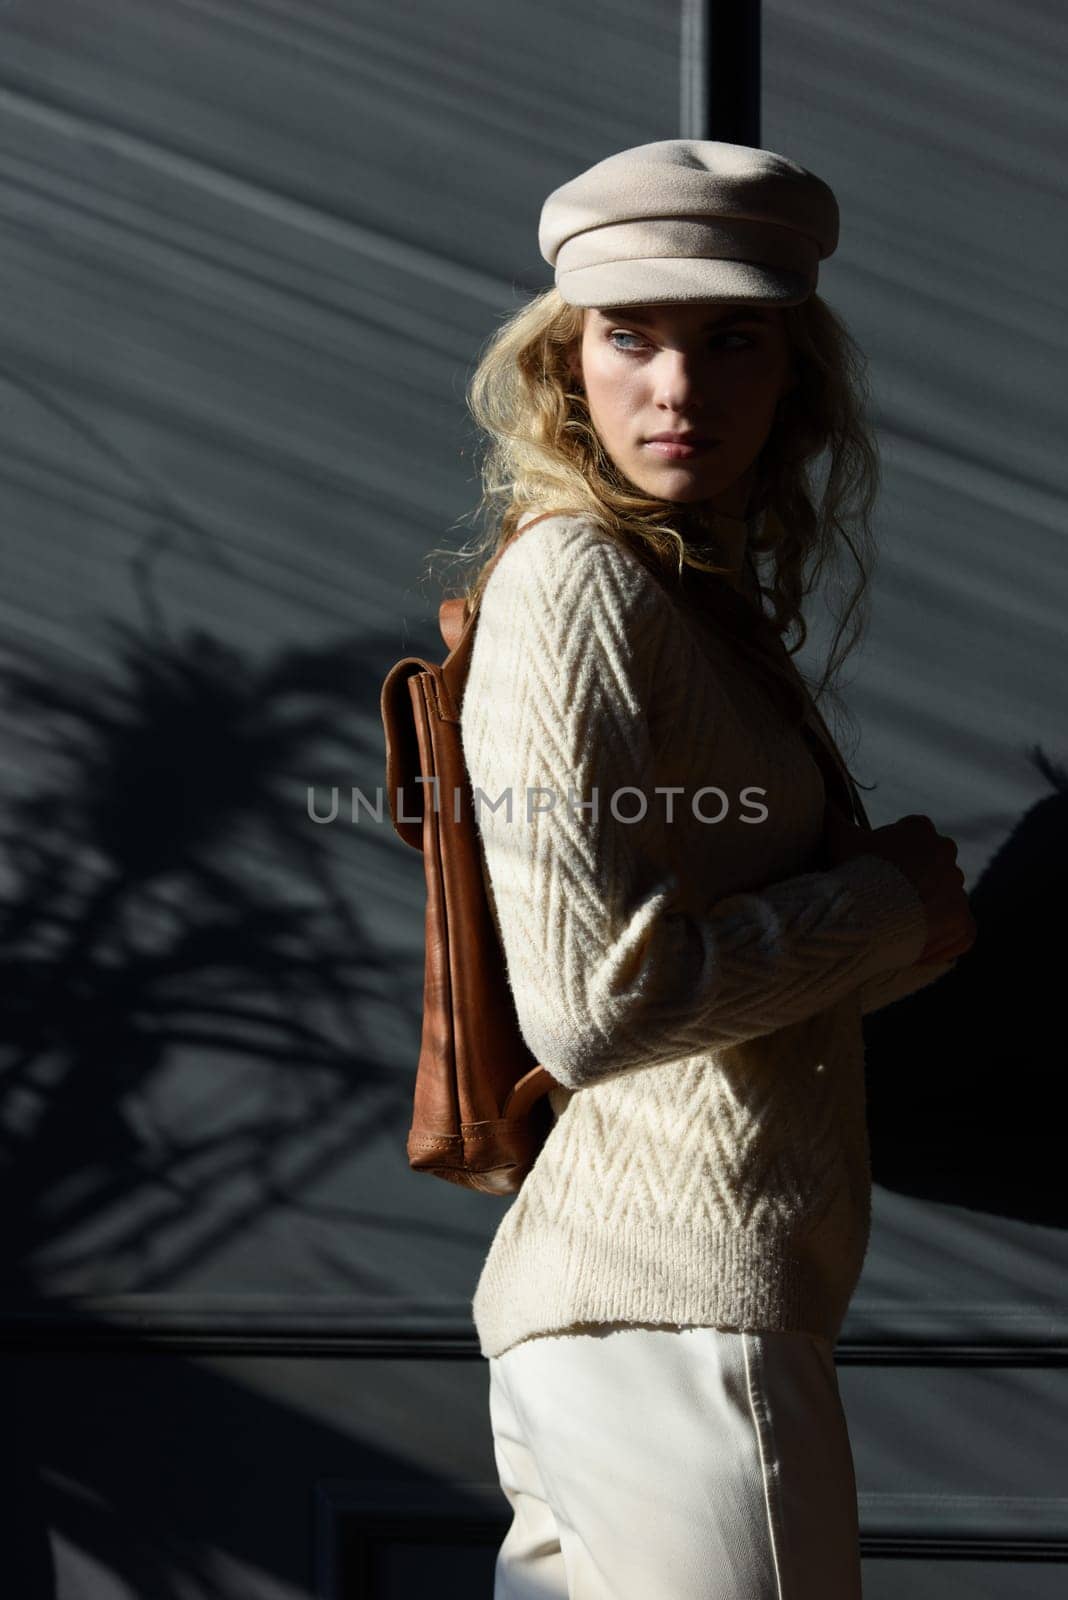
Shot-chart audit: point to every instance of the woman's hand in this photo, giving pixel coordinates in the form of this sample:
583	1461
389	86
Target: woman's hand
929	860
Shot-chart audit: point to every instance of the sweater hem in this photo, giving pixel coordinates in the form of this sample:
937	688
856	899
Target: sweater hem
551	1280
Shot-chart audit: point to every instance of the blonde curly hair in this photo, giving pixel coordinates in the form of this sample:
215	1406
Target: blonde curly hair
541	451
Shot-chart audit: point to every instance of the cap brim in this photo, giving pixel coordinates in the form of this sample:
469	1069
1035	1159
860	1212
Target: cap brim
661	280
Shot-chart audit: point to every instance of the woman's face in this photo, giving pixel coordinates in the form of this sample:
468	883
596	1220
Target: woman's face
715	369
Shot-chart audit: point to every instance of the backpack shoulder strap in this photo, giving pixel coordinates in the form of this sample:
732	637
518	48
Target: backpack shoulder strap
455	616
452	614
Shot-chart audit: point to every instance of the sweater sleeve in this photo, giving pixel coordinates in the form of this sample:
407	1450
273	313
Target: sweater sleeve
611	968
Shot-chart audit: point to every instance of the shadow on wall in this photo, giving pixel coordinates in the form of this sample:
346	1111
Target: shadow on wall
963	1076
182	980
187	1003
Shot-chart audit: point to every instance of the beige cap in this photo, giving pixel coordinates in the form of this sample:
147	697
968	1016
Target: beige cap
689	219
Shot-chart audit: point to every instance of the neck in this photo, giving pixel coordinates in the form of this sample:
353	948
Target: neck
717	536
704	517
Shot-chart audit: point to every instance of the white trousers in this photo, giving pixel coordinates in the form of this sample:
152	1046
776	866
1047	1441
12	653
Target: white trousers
658	1463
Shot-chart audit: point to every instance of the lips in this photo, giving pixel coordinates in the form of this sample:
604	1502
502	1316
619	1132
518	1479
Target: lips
679	438
681	448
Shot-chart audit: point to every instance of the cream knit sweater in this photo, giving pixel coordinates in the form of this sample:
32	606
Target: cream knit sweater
695	987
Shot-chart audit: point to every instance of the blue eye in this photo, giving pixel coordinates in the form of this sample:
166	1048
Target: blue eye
619	333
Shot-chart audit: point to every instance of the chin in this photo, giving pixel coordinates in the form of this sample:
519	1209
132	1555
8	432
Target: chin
689	492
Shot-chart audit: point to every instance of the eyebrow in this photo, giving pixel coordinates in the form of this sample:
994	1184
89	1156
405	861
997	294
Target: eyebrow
640	314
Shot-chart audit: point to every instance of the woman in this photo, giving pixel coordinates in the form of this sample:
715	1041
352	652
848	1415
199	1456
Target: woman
692	931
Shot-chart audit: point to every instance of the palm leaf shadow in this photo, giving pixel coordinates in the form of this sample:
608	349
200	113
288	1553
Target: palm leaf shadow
164	891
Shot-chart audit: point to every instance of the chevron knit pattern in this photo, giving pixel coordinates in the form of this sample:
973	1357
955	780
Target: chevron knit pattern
649	821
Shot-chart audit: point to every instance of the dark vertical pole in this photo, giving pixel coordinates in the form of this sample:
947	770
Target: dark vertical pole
720	71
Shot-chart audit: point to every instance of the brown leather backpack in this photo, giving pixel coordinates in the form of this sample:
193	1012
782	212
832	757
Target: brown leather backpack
480	1115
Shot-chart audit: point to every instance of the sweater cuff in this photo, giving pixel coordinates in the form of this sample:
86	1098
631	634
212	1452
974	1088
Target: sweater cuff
891	906
883	990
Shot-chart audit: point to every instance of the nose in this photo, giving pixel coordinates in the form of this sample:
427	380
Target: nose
677	381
